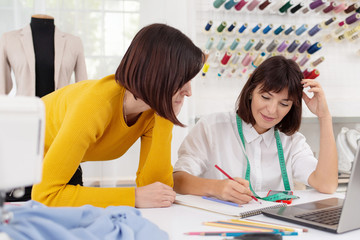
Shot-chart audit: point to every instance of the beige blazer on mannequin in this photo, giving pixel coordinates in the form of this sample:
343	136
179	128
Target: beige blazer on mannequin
17	54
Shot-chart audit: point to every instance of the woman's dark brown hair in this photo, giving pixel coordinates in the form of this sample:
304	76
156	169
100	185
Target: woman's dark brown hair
273	75
158	63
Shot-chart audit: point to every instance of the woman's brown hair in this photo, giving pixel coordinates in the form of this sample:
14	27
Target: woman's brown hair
274	74
159	61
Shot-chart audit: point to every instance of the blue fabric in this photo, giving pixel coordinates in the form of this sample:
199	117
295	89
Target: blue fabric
34	220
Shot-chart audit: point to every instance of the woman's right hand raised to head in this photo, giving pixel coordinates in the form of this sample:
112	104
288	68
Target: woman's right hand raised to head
154	195
235	191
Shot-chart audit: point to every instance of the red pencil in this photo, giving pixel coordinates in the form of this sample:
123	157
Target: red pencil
229	177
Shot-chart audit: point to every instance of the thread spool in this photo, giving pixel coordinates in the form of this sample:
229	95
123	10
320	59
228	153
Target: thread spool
209	43
259	59
218	3
289	30
314	48
353	18
305	10
328	22
259	44
268	28
243	28
317	61
221	44
272	45
301	29
230	4
279	29
252	5
314	30
283	46
208	25
226	58
303	61
304	46
313	74
316	4
286	6
263	5
205	69
234	44
249	44
236	58
296	8
295	57
221	27
329	8
341	7
256	28
240	5
351	8
293	46
247	59
231	27
307	72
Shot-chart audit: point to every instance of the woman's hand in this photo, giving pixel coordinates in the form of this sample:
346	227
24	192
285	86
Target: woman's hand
316	104
154	195
235	191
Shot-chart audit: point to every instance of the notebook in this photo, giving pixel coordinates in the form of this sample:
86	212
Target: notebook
250	209
333	215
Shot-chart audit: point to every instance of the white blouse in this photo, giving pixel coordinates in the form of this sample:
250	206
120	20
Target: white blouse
215	140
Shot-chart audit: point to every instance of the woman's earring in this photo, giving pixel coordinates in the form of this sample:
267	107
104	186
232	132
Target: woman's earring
250	97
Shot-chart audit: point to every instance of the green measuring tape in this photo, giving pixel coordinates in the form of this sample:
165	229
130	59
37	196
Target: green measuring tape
278	196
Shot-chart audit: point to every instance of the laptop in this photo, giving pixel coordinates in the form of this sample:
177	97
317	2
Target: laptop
334	214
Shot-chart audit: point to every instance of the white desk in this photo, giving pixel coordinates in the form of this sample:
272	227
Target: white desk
178	219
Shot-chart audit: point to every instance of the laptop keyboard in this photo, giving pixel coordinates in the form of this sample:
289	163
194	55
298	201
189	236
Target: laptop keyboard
326	216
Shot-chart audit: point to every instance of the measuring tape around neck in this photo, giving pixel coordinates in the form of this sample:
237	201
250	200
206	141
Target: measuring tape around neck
278	196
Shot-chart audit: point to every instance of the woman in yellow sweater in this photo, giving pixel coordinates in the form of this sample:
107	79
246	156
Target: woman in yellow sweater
98	120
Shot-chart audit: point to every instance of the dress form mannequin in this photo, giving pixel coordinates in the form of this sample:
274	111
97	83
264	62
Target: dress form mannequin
43	29
21	53
43	59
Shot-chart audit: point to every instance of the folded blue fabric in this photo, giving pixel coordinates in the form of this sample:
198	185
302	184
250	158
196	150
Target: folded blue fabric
34	220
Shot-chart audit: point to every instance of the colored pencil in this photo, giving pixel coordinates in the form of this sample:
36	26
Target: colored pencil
268	225
229	177
221	201
235	234
279	225
233	223
237	227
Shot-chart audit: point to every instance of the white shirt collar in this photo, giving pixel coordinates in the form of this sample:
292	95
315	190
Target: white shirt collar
250	134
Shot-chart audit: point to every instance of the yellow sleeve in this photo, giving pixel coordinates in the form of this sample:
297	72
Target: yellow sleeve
81	126
155	154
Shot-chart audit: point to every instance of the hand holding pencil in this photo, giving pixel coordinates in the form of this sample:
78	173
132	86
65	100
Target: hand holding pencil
233	189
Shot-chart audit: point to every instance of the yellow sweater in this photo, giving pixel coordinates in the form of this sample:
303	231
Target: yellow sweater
84	122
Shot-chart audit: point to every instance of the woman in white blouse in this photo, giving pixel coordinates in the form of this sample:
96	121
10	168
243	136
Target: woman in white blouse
259	146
